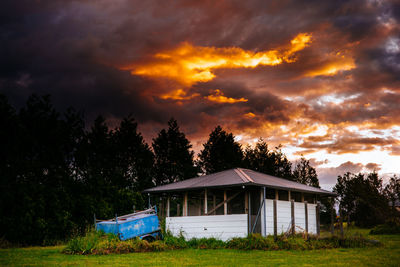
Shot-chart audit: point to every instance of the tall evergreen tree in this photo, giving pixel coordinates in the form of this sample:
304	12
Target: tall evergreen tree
220	152
134	159
392	191
173	155
258	158
272	162
117	166
98	161
304	173
43	185
55	175
361	199
282	166
10	169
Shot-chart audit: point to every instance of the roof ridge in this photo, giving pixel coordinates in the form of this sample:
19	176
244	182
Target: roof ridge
246	175
243	175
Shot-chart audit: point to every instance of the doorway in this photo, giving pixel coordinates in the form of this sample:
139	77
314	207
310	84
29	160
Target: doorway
254	202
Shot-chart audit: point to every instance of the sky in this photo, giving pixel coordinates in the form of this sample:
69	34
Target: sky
321	78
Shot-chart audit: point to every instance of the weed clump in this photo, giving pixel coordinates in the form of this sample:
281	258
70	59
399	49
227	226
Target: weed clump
100	243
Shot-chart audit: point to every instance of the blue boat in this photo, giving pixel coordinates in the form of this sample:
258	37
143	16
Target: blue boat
143	224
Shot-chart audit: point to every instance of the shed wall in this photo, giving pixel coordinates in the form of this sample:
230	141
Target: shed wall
300	217
221	227
312	219
284	217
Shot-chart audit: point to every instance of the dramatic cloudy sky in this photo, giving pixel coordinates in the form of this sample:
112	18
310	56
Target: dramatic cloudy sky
322	78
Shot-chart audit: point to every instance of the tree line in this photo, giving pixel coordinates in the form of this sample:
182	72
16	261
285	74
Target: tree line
56	173
366	201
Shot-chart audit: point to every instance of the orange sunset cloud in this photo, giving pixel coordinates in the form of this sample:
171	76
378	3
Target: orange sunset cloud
188	64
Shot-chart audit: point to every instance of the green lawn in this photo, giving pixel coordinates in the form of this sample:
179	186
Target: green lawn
388	255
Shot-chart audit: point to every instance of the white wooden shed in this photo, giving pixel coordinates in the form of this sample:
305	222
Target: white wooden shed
237	202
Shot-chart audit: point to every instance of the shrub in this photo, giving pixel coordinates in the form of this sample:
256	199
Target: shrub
100	243
91	241
254	241
206	243
84	245
386	229
175	242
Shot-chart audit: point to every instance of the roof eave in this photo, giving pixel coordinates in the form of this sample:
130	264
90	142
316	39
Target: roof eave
326	193
297	190
194	188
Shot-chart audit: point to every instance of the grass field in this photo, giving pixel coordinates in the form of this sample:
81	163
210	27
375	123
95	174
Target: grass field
387	255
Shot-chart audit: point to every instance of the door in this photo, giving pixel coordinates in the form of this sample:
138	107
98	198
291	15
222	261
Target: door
254	201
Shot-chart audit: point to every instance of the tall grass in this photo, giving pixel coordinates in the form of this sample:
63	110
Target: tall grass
100	243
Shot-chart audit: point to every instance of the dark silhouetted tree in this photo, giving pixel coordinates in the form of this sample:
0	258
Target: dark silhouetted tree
117	166
392	191
55	175
272	162
220	152
361	199
173	155
304	173
258	158
134	159
11	160
42	184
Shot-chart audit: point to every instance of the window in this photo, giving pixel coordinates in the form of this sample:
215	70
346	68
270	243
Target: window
215	197
310	198
283	195
296	196
236	205
195	203
176	205
270	193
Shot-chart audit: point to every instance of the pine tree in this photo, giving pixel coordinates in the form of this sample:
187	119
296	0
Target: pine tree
304	173
220	152
272	162
392	191
173	155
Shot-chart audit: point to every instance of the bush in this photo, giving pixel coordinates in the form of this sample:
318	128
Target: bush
297	242
254	241
89	242
175	242
100	243
386	229
206	243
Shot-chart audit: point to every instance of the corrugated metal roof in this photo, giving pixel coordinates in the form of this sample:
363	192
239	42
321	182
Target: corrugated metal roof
237	177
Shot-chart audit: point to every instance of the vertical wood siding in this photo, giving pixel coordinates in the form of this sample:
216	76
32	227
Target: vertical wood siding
269	206
312	219
284	217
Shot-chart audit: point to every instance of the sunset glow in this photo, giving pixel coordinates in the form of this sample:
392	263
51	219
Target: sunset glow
322	81
189	64
331	68
219	97
178	94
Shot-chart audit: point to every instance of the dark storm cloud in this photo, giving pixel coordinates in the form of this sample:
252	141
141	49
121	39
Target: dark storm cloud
74	50
68	49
